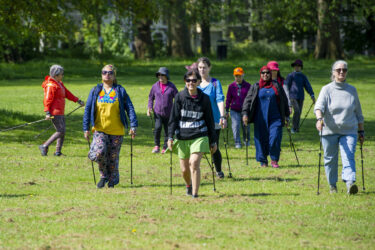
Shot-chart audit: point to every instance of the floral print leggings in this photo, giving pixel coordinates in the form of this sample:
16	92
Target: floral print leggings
105	150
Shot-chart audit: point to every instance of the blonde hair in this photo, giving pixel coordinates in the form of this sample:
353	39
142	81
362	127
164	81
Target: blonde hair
113	68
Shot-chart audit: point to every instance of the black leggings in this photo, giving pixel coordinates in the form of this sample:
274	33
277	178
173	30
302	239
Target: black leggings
217	156
161	121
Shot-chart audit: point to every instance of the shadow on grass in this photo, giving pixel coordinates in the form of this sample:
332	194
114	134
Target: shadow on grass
13	195
161	185
258	195
276	178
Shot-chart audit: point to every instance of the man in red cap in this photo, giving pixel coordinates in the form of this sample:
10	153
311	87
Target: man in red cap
236	95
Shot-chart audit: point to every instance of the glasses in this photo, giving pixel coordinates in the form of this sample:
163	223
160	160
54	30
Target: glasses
342	69
104	72
264	72
191	80
161	75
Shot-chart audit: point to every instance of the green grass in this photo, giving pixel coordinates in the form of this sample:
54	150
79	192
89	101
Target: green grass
49	202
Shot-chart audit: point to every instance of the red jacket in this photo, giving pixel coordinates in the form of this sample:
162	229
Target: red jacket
54	96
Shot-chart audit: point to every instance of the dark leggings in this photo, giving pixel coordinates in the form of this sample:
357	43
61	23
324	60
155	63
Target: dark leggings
160	122
59	123
217	156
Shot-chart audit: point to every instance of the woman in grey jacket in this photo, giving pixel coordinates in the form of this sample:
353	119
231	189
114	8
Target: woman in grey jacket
339	116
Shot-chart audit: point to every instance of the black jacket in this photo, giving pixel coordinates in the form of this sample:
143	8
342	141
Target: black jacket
251	102
192	117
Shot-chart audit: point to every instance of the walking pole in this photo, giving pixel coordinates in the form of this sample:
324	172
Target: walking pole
92	164
363	174
212	169
131	159
306	116
292	144
320	156
25	124
52	124
247	145
152	123
170	173
226	151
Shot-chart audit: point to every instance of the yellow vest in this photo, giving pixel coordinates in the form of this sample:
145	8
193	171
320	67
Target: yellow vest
107	116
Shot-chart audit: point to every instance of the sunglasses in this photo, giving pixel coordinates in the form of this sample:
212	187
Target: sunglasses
161	75
264	72
191	80
104	72
343	70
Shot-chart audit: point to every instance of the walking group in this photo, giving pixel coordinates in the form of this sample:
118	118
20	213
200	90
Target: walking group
194	118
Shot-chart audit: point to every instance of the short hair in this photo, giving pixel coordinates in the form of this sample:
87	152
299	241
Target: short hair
192	72
204	60
334	65
56	70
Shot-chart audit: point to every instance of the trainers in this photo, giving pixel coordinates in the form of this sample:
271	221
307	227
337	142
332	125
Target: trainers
274	164
263	165
220	175
352	188
111	185
163	151
58	154
194	196
156	150
43	150
101	183
332	189
238	146
189	190
293	131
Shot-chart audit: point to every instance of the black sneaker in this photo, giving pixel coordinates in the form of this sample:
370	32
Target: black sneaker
101	183
220	175
194	196
43	150
352	189
111	185
189	190
58	154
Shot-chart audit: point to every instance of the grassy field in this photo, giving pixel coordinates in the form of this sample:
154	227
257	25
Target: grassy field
51	202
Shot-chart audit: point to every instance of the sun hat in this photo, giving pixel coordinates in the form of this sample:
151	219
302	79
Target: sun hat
273	65
297	62
163	71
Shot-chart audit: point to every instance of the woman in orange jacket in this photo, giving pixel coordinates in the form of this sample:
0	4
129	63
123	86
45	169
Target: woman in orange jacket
54	105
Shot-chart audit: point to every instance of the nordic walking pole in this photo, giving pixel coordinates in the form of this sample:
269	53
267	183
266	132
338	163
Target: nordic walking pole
306	116
320	156
92	164
226	151
292	144
52	124
25	124
170	173
363	174
131	159
212	169
247	146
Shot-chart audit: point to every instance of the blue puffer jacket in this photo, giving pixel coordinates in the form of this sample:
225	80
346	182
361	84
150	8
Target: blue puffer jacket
124	102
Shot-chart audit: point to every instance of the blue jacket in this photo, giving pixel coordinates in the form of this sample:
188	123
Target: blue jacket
124	102
295	84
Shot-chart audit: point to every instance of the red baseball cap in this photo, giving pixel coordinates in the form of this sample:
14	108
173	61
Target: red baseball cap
238	71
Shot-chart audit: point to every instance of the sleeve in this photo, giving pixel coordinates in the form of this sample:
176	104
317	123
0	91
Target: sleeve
321	103
219	92
87	113
247	101
174	117
151	98
49	95
358	108
210	122
70	96
285	100
308	87
229	99
130	110
286	88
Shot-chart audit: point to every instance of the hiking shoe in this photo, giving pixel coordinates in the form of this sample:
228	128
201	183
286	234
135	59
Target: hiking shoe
332	189
189	190
238	146
156	150
163	150
111	184
293	131
352	188
263	165
220	175
58	154
274	164
101	183
194	196
43	150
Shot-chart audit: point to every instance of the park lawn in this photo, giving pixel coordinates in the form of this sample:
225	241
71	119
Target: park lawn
52	202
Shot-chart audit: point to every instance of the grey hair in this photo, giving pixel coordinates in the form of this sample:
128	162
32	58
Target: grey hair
334	65
56	70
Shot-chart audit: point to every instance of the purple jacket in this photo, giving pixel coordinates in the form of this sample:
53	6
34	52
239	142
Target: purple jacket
236	96
163	102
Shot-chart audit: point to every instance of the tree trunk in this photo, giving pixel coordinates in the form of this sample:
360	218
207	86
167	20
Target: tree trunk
205	27
328	41
142	42
370	34
99	34
180	33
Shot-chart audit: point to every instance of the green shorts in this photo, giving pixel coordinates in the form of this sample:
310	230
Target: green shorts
186	147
